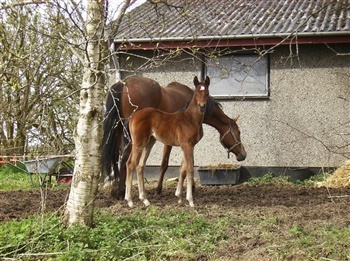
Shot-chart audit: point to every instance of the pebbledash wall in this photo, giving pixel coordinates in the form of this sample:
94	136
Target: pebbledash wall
303	123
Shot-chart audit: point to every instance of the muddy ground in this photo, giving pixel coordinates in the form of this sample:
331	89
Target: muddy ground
20	204
291	203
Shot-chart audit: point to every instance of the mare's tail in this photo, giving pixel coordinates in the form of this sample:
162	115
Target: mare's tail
111	141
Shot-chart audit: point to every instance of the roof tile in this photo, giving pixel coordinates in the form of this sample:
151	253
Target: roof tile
208	18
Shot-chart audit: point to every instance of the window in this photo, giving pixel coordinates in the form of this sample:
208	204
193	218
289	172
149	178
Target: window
238	76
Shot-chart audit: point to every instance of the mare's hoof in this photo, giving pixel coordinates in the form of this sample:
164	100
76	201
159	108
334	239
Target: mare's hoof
121	196
158	191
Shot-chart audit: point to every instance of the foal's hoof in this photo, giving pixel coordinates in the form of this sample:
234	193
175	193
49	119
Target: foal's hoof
191	204
146	202
130	204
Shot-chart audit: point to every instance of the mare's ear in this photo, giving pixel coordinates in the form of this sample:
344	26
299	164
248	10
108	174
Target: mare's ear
235	119
207	81
195	81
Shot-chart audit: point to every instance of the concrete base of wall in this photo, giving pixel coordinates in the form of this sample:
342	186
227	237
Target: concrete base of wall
295	173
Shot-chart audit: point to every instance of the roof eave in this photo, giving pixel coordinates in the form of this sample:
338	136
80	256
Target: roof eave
233	40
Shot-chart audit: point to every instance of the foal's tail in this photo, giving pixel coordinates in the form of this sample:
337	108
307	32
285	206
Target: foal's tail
112	129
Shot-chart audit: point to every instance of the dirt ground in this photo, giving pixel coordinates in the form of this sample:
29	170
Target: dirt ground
297	203
20	204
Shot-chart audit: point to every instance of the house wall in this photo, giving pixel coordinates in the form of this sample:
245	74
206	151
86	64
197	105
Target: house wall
303	122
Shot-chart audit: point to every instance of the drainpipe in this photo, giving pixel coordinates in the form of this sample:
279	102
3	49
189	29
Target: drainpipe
114	63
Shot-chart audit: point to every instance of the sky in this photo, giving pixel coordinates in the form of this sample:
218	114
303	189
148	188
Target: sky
115	5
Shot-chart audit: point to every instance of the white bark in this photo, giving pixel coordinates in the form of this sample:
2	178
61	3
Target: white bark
88	135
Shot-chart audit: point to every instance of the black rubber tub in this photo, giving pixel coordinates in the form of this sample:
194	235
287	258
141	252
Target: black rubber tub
219	175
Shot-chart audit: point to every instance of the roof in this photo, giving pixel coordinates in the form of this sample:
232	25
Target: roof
225	21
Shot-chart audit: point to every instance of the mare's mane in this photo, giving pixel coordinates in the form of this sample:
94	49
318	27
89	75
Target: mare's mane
211	103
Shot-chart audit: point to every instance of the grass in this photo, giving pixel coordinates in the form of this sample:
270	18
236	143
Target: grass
269	178
149	235
12	178
176	234
157	234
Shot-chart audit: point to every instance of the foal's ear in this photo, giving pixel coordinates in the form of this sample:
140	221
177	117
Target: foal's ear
236	118
195	81
207	81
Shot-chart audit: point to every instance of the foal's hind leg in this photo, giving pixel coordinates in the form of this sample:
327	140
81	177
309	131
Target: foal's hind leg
130	166
140	171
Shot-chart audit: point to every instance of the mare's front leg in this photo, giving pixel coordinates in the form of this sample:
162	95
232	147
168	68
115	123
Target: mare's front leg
115	191
140	171
163	167
130	166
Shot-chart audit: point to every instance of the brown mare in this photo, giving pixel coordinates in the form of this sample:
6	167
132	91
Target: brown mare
137	92
182	128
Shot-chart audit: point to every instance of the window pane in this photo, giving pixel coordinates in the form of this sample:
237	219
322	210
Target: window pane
241	75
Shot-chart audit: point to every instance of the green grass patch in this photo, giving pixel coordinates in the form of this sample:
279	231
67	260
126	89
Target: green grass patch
176	234
144	235
326	242
14	179
268	178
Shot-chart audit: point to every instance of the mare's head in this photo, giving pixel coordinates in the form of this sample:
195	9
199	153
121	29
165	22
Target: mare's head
201	93
231	140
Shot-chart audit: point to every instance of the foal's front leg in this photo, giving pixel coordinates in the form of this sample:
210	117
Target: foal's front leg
180	184
188	162
189	195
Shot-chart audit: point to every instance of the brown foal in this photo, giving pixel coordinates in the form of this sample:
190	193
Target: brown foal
181	128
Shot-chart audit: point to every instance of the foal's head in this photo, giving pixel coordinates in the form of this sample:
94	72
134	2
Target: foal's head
201	93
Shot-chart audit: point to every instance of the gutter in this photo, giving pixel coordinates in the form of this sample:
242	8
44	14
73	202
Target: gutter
233	40
230	37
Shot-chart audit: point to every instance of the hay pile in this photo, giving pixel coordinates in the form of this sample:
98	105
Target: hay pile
340	178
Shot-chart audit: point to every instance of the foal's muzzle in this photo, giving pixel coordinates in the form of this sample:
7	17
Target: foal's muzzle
201	108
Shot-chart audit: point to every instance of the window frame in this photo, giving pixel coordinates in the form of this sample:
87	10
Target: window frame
234	94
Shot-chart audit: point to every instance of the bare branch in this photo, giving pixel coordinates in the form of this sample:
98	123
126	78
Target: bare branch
22	3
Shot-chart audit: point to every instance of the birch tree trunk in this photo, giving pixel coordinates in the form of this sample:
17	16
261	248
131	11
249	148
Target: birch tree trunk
88	135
